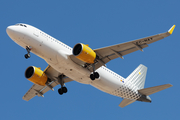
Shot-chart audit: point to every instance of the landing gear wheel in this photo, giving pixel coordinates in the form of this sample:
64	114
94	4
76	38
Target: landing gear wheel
92	76
96	74
28	49
60	91
27	56
64	89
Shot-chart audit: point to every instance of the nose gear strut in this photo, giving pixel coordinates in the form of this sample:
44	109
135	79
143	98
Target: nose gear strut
28	49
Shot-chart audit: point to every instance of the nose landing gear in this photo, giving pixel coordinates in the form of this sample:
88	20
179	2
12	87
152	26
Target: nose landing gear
28	49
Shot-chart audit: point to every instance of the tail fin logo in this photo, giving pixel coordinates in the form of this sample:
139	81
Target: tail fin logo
139	73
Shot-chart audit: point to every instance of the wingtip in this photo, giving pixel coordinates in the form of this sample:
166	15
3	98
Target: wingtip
170	85
170	31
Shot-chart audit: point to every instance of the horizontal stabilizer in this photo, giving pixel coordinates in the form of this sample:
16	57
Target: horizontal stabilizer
126	102
152	90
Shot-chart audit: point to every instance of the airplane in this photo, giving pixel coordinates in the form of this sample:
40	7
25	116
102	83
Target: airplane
83	64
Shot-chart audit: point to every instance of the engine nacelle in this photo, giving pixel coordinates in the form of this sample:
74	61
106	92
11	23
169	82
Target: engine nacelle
84	53
36	75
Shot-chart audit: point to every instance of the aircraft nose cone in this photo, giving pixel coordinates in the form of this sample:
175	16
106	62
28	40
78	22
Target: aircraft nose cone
10	30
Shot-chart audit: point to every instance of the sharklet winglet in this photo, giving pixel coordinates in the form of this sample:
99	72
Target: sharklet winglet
170	31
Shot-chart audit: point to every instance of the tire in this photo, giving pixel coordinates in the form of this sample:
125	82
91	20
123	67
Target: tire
60	91
64	89
26	56
92	77
96	74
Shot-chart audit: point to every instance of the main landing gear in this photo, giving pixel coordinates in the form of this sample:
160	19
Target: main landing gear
63	89
28	48
94	75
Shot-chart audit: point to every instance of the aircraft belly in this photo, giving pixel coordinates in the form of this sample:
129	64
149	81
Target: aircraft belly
110	84
106	83
20	43
70	69
71	73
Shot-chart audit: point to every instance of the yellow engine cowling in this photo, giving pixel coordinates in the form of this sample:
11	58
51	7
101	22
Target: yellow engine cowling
36	75
84	53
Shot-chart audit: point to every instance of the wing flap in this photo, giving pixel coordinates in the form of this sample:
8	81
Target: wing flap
152	90
125	52
32	92
126	102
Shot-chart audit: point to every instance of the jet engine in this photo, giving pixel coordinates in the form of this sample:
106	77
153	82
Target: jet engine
36	75
84	53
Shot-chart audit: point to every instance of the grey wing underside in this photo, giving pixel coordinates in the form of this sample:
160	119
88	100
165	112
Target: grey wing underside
40	90
109	53
126	102
112	52
152	90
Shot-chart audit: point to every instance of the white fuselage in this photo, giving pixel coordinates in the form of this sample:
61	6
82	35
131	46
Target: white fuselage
56	54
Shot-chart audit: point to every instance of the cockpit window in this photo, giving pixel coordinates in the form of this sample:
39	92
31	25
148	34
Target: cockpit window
21	25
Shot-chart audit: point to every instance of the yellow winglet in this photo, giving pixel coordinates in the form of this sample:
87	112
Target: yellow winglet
171	29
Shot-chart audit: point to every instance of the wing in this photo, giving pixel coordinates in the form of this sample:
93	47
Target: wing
40	90
109	53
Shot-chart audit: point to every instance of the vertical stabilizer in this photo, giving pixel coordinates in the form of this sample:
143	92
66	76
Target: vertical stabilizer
137	77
